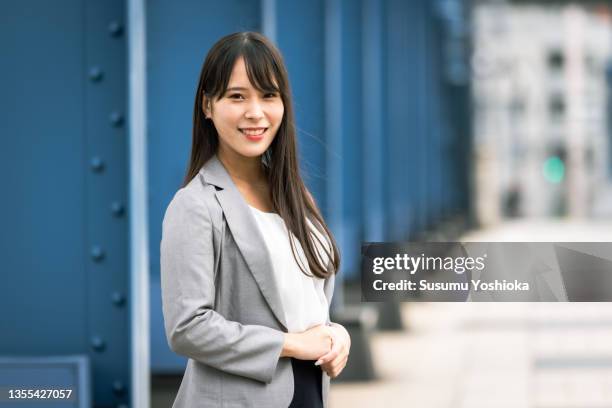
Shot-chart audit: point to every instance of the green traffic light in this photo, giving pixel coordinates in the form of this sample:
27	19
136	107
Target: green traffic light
554	170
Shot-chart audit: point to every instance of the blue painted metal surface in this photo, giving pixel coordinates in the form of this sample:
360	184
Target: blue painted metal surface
352	136
406	117
433	195
383	131
452	21
375	182
63	154
300	36
178	38
67	376
106	191
346	149
334	129
369	108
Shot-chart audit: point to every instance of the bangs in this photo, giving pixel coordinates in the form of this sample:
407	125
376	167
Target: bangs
262	67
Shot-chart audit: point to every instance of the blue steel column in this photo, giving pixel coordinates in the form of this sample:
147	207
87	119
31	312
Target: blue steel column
374	135
351	163
333	128
139	228
450	33
437	121
43	242
303	49
106	192
406	101
396	129
63	154
268	19
426	139
344	135
344	131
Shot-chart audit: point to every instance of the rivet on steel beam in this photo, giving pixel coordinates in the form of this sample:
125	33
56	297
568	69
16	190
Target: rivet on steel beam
98	344
95	74
115	28
117	208
97	253
96	164
118	298
116	119
118	387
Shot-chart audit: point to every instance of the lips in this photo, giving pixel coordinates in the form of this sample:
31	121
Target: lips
253	133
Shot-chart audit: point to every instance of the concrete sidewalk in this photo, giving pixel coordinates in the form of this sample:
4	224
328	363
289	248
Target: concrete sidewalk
490	355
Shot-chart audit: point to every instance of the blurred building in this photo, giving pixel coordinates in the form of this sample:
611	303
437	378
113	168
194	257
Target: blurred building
540	109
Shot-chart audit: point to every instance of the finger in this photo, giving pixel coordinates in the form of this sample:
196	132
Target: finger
327	367
329	372
341	353
337	347
331	354
337	365
337	370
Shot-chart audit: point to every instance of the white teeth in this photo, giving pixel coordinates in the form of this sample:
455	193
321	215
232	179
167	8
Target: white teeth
250	132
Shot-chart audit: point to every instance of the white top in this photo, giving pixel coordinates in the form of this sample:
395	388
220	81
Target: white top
303	298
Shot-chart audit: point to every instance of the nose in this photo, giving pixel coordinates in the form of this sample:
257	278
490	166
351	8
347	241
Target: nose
254	110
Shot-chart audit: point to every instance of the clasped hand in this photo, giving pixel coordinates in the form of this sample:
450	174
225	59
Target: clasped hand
329	345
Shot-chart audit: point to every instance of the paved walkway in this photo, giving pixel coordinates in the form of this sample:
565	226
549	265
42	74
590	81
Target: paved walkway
515	355
474	355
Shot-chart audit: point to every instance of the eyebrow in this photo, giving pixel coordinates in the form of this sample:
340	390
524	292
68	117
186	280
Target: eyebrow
236	88
239	88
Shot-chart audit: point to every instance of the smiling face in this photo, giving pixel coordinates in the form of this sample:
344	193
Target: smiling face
246	119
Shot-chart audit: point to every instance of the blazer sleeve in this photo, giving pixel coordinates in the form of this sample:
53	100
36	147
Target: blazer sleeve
193	328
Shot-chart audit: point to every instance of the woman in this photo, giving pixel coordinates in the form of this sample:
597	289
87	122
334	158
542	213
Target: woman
244	299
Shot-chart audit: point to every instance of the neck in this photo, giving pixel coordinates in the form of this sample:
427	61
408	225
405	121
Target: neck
242	169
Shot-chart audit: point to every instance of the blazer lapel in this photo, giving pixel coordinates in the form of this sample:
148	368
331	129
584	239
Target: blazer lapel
246	234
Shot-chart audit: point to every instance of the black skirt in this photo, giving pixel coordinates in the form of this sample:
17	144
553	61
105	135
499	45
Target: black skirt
307	379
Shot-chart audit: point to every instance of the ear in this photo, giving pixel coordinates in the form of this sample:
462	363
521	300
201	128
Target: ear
206	107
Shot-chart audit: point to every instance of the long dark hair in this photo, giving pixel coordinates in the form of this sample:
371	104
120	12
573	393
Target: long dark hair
266	71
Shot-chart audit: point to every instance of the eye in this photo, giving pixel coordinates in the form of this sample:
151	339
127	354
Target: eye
236	96
271	95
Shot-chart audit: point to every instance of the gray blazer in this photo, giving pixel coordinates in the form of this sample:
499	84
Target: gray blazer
221	304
